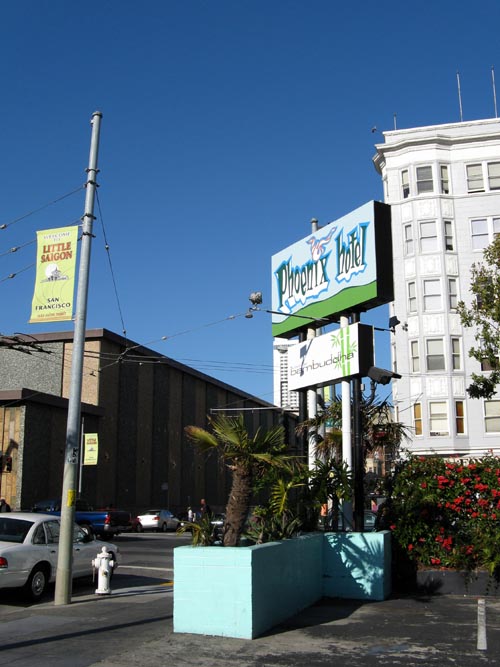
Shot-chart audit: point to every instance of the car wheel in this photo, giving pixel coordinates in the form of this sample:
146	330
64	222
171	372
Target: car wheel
164	527
88	529
37	582
139	528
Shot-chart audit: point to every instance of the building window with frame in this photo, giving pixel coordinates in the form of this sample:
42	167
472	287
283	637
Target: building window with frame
424	180
445	183
452	293
408	240
412	297
459	417
475	181
428	236
417	418
456	357
479	233
448	235
438	418
435	354
432	295
405	183
490	361
494	175
496	227
414	356
492	416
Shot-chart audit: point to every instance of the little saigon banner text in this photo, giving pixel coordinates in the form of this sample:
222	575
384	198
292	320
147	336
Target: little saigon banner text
55	275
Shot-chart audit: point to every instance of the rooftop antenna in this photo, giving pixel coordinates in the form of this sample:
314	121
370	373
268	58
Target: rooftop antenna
494	90
395	121
459	96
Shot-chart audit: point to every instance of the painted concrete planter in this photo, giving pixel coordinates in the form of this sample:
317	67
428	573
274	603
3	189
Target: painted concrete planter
456	582
357	566
243	591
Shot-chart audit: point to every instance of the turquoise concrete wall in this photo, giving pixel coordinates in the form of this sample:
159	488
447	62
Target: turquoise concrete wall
285	580
213	591
357	566
243	591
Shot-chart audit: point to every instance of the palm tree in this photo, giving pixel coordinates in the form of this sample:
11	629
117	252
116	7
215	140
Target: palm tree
247	457
379	430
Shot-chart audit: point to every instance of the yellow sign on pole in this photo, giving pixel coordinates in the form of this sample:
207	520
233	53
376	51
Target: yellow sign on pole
91	449
55	275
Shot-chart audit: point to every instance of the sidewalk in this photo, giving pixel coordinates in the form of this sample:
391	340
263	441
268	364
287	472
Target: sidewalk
133	627
399	631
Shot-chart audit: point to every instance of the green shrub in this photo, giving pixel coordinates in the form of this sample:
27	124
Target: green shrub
447	514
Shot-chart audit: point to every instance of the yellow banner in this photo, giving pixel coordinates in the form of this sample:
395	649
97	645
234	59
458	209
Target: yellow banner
91	449
55	275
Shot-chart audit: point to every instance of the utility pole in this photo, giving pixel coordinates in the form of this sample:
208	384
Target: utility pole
65	557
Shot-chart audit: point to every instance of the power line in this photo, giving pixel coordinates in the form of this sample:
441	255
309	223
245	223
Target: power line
106	246
179	333
16	248
14	275
5	225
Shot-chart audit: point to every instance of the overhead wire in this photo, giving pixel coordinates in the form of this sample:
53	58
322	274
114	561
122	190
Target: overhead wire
108	253
16	273
16	248
122	355
41	208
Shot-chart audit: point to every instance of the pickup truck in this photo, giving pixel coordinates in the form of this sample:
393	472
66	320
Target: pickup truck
102	523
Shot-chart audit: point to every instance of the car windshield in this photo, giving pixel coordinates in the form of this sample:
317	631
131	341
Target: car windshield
153	512
14	530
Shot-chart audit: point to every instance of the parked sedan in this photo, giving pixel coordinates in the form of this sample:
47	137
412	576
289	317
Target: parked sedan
159	520
28	551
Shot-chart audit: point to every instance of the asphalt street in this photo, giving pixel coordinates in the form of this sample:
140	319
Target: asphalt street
133	627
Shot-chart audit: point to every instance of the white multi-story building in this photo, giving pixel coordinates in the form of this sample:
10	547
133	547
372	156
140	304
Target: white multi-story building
282	395
443	185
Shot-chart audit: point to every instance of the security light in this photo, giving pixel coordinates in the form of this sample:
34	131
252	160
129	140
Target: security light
381	376
255	298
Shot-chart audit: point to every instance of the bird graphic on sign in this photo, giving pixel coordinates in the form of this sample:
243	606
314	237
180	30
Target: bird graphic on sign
318	246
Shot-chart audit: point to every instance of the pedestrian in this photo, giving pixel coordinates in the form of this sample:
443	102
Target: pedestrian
4	506
205	508
190	515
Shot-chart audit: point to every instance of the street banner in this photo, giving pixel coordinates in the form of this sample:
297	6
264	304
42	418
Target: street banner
90	449
55	275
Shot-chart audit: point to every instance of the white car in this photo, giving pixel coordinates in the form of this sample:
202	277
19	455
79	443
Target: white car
156	520
28	551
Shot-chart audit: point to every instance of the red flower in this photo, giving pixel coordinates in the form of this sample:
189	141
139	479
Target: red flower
435	561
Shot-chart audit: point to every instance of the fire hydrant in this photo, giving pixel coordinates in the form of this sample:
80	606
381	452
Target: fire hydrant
104	563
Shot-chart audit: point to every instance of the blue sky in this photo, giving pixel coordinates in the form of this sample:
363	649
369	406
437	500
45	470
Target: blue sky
227	126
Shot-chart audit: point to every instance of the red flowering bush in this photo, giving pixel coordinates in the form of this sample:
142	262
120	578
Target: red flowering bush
447	514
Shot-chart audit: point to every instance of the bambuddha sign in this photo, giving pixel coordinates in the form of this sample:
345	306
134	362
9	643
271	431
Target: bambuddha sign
330	358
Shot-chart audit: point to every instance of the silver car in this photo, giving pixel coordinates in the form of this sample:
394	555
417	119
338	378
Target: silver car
29	545
159	520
